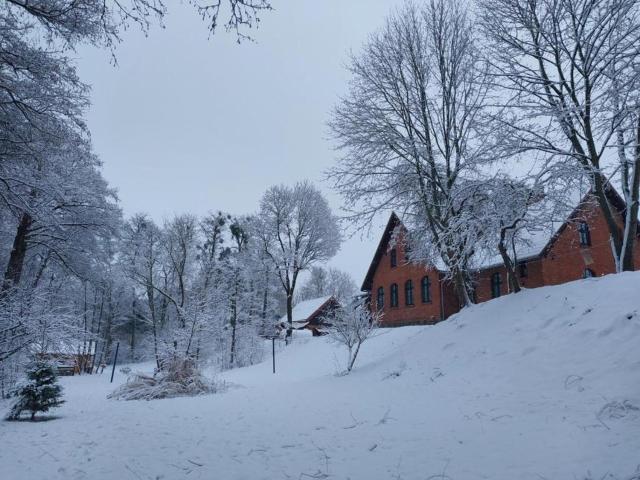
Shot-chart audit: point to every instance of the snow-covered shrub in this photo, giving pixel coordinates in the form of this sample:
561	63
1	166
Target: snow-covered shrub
39	394
179	378
351	326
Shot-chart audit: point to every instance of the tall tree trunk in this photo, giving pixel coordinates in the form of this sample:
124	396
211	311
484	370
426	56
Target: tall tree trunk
108	339
514	282
234	320
13	273
154	322
133	331
615	232
41	269
265	303
460	284
631	188
289	314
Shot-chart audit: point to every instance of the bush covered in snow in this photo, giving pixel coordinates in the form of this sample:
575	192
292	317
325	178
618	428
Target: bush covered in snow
179	378
351	326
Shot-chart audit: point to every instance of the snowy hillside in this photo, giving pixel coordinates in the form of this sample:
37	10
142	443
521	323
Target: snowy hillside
540	385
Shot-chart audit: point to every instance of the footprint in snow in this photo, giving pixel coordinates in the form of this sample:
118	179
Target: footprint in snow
574	382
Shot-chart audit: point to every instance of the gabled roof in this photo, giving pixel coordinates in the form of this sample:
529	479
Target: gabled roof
393	222
538	247
541	246
306	311
614	198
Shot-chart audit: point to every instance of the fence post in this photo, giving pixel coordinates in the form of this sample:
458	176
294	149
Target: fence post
273	352
115	359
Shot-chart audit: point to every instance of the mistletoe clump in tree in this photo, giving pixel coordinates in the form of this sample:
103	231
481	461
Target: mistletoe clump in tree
40	393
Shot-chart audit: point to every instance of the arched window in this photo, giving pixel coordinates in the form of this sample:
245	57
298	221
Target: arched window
425	289
394	295
588	273
585	235
394	258
496	283
408	292
380	298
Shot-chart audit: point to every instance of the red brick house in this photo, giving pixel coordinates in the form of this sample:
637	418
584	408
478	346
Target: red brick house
412	294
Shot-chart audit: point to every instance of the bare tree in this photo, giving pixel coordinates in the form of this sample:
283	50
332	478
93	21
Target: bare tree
569	74
141	260
325	282
351	326
59	219
296	229
101	22
514	214
411	130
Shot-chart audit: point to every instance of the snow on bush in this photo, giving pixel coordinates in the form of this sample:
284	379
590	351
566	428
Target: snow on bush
181	378
351	326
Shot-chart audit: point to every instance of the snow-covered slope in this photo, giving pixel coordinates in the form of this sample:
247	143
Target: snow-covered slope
540	385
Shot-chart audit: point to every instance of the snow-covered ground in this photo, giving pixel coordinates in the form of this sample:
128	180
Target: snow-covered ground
540	385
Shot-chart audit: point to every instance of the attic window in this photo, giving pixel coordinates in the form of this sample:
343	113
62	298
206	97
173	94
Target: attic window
394	258
585	235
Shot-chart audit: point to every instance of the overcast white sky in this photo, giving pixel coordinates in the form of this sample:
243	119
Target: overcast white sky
190	124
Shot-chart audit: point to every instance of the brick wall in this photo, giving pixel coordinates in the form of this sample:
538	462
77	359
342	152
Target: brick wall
565	261
403	314
530	277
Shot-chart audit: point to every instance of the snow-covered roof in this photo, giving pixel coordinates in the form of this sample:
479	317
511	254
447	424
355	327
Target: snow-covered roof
303	310
530	243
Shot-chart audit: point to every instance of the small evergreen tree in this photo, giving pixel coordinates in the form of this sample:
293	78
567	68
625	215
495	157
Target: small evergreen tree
40	393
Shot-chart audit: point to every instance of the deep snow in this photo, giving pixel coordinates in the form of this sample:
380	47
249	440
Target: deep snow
540	385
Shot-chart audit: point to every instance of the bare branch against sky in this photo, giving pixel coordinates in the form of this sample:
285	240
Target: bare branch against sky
188	123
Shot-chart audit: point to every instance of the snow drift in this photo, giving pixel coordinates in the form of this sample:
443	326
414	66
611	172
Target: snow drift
543	384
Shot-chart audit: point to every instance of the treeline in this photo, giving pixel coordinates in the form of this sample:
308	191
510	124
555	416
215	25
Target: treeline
63	243
204	289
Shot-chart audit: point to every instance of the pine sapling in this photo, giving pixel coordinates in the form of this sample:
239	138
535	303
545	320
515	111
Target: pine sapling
40	393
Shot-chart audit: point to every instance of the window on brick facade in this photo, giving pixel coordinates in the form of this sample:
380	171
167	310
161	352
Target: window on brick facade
588	273
394	258
380	298
394	295
523	269
585	235
408	292
425	289
496	283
